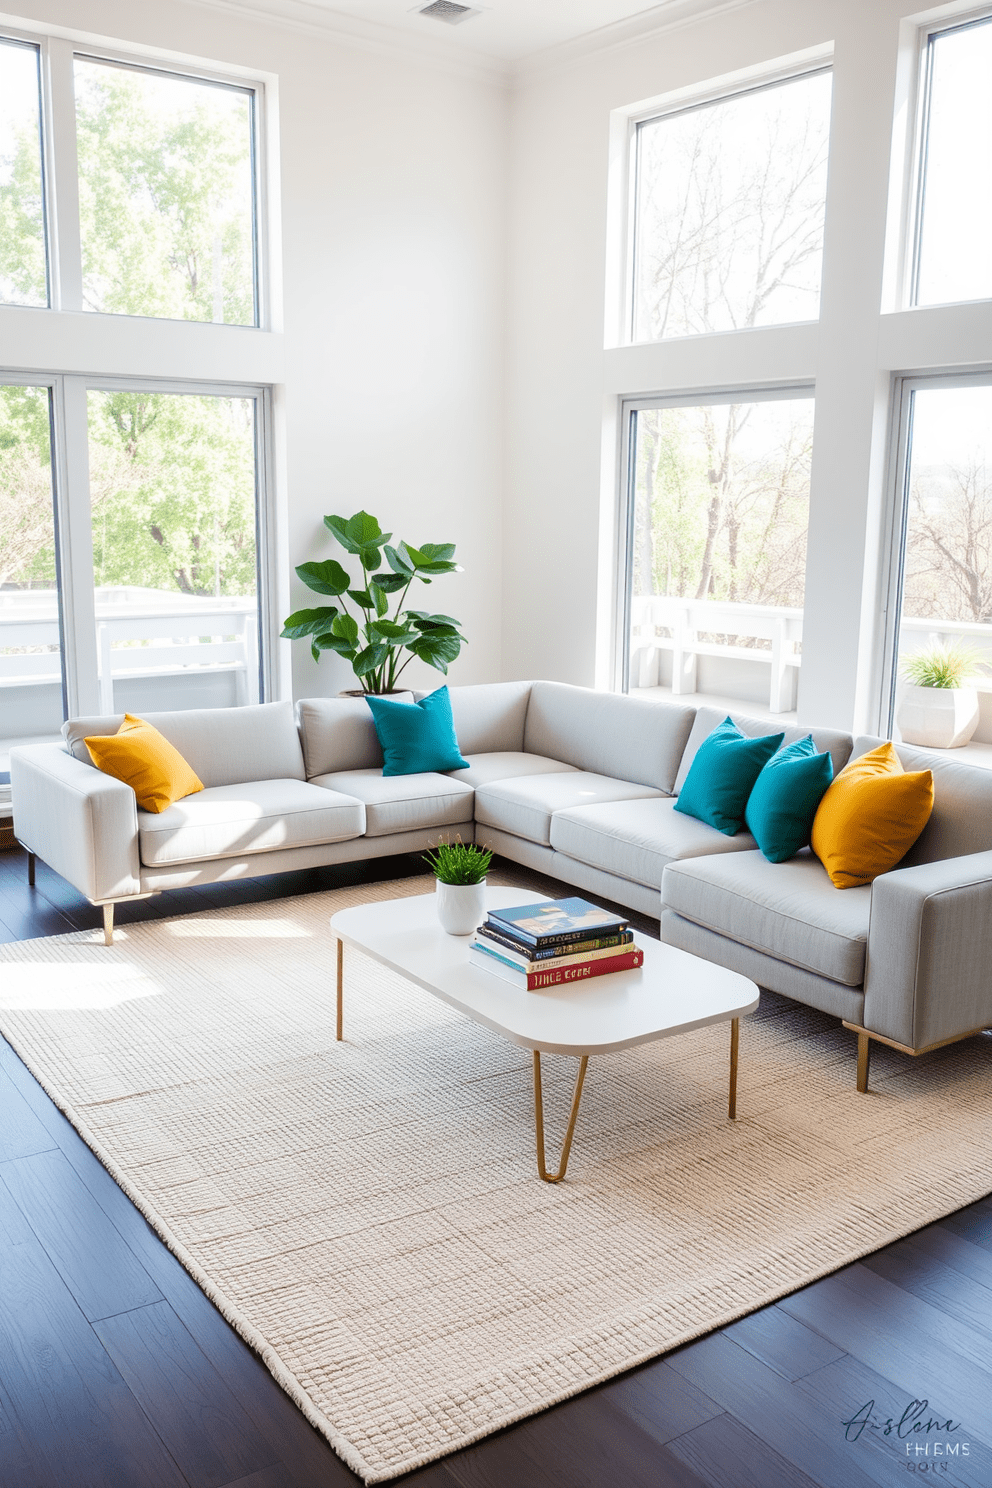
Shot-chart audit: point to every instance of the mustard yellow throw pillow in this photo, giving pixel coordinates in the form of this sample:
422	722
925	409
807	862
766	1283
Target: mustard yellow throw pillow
145	760
870	817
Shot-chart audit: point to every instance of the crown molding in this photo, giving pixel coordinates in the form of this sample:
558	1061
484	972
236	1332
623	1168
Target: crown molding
311	19
670	15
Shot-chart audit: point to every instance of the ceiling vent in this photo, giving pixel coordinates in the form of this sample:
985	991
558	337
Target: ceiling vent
447	11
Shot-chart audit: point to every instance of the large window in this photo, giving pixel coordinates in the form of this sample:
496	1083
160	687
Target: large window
23	249
942	571
156	570
728	211
954	215
714	557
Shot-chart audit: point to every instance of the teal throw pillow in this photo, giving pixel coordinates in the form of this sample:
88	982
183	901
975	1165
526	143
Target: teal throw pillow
721	776
781	808
416	737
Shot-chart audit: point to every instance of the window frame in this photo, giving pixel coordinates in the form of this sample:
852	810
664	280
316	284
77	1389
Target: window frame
916	205
60	178
895	522
704	98
73	535
629	407
12	35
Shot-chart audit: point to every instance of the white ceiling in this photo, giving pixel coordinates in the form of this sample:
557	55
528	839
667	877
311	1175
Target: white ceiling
505	30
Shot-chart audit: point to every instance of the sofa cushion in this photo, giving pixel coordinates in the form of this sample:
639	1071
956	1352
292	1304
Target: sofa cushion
227	821
489	716
870	817
145	760
637	839
837	745
608	733
525	807
417	737
787	910
506	765
722	776
338	734
223	746
403	803
961	820
783	803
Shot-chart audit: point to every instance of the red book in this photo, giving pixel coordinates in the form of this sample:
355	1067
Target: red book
556	976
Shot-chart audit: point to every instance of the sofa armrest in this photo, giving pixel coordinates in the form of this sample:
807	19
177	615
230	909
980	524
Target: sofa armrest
82	823
929	972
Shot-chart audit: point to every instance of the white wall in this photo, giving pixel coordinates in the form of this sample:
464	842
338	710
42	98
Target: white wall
389	365
566	378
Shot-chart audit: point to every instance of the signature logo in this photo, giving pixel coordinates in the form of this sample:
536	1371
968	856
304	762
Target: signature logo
924	1435
913	1421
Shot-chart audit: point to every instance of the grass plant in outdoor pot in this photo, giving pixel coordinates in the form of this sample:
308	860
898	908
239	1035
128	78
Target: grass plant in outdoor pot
935	709
364	632
460	869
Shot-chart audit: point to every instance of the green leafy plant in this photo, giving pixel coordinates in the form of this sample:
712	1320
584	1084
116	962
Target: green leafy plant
459	862
366	634
940	666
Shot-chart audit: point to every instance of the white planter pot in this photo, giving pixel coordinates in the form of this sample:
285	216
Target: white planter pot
461	908
938	717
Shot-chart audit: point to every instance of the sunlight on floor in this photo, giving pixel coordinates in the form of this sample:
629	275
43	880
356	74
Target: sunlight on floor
74	986
237	930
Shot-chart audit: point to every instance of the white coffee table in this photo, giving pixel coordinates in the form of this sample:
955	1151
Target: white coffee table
673	992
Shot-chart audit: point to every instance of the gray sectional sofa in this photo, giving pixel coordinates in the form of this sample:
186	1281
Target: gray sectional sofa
576	784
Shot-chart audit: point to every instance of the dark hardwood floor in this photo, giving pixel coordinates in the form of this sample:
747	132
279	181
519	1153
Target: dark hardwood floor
117	1372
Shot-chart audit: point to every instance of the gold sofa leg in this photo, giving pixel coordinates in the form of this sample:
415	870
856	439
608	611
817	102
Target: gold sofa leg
864	1059
108	924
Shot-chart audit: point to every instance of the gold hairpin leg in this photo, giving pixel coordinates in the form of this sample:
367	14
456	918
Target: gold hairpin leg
735	1028
539	1119
340	989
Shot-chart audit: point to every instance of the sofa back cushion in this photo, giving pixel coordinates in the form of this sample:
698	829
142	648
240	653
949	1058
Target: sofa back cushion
607	733
827	741
489	717
224	746
961	820
339	734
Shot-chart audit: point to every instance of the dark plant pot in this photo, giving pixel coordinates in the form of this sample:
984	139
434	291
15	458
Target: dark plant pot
360	692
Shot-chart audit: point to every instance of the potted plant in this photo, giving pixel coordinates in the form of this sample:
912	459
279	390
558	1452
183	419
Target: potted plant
364	632
936	709
460	869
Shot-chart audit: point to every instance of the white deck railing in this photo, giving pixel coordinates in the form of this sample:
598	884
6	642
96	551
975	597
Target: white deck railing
661	624
141	633
681	627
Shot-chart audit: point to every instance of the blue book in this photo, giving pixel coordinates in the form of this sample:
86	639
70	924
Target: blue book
556	921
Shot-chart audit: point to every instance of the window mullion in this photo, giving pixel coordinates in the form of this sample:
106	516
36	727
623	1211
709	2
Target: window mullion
78	604
66	250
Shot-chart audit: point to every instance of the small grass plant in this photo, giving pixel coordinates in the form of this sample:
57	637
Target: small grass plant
459	862
941	666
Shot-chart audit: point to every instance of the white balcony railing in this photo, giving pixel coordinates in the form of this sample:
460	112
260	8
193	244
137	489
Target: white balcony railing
141	633
689	629
756	634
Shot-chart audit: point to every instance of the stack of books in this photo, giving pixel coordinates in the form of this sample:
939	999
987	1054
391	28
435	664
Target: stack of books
557	941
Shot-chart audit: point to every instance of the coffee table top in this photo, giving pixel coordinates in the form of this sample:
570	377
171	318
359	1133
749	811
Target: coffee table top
673	992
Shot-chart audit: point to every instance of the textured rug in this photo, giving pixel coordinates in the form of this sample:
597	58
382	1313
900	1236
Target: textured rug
368	1214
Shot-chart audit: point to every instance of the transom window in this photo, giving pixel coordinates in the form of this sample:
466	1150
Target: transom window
157	182
728	211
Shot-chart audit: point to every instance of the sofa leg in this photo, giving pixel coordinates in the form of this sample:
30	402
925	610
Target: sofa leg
864	1059
108	924
31	862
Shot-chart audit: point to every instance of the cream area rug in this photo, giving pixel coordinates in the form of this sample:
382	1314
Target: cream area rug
368	1214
